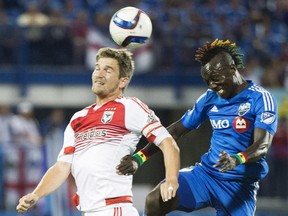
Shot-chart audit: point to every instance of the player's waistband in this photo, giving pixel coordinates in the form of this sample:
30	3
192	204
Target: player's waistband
121	199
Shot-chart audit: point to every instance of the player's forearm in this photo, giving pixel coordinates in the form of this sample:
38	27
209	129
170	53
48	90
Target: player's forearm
260	147
145	153
256	151
53	178
171	155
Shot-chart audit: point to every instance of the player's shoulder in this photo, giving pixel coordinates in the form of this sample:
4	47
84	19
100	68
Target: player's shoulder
207	95
132	102
82	112
258	91
261	95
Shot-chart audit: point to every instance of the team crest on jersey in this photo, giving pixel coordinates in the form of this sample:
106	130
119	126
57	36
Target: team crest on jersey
267	117
243	109
107	116
241	124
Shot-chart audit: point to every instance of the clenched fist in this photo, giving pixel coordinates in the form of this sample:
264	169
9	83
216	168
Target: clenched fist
27	202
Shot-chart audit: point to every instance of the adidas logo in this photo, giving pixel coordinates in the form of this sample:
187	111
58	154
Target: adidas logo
214	109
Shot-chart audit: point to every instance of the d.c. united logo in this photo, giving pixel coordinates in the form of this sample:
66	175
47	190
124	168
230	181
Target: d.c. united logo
241	124
107	116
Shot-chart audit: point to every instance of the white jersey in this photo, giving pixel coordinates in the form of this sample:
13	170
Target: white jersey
97	138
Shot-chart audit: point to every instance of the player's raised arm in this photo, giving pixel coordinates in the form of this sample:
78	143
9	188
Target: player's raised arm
130	164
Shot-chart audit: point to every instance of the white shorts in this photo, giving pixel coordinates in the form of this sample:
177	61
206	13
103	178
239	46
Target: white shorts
128	210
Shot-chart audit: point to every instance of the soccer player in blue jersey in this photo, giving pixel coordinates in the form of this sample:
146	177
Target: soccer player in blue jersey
243	117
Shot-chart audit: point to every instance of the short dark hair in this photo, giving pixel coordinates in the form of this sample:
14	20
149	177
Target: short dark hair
205	53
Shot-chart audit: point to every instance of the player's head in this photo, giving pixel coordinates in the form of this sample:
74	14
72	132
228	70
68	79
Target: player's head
113	71
122	56
220	61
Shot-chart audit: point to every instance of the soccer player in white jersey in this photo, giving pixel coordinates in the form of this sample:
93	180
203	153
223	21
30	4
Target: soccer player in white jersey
98	136
243	117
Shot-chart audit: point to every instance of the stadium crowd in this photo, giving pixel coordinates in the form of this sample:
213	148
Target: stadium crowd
70	32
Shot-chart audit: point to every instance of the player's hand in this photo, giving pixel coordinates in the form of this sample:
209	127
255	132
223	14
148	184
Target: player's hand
27	202
128	166
168	189
227	162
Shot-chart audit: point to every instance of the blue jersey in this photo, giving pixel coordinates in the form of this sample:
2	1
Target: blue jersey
233	121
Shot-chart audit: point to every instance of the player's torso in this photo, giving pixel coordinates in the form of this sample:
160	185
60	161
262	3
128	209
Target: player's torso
232	123
101	140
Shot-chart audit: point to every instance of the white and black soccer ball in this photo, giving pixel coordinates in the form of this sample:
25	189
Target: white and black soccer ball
130	27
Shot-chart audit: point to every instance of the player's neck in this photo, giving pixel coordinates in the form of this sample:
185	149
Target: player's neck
103	100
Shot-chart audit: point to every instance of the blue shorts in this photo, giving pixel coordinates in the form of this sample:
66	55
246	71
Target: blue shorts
197	190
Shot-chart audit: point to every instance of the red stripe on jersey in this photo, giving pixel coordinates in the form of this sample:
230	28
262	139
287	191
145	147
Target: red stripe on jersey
122	199
142	105
75	199
151	138
118	211
148	125
69	150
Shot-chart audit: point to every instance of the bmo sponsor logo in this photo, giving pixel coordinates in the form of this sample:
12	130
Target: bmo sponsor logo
220	124
241	124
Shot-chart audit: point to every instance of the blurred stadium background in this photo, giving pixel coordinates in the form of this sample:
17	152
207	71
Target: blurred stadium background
47	54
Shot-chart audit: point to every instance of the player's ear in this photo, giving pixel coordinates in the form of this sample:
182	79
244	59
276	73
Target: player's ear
123	82
233	69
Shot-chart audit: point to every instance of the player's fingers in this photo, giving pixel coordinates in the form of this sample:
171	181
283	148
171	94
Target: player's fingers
166	192
170	190
217	165
23	206
127	168
222	153
126	158
123	169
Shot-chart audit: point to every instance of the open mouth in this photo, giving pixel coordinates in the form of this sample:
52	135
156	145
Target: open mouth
98	82
220	91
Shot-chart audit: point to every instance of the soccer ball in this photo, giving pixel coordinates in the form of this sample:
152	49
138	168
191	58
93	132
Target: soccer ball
130	27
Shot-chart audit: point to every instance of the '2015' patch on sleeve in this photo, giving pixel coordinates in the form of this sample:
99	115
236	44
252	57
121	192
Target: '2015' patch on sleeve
267	117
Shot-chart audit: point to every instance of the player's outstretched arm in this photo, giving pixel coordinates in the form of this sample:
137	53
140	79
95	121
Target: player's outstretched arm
53	178
259	148
130	164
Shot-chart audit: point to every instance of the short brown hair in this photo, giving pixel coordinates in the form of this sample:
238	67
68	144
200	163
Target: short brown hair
123	57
